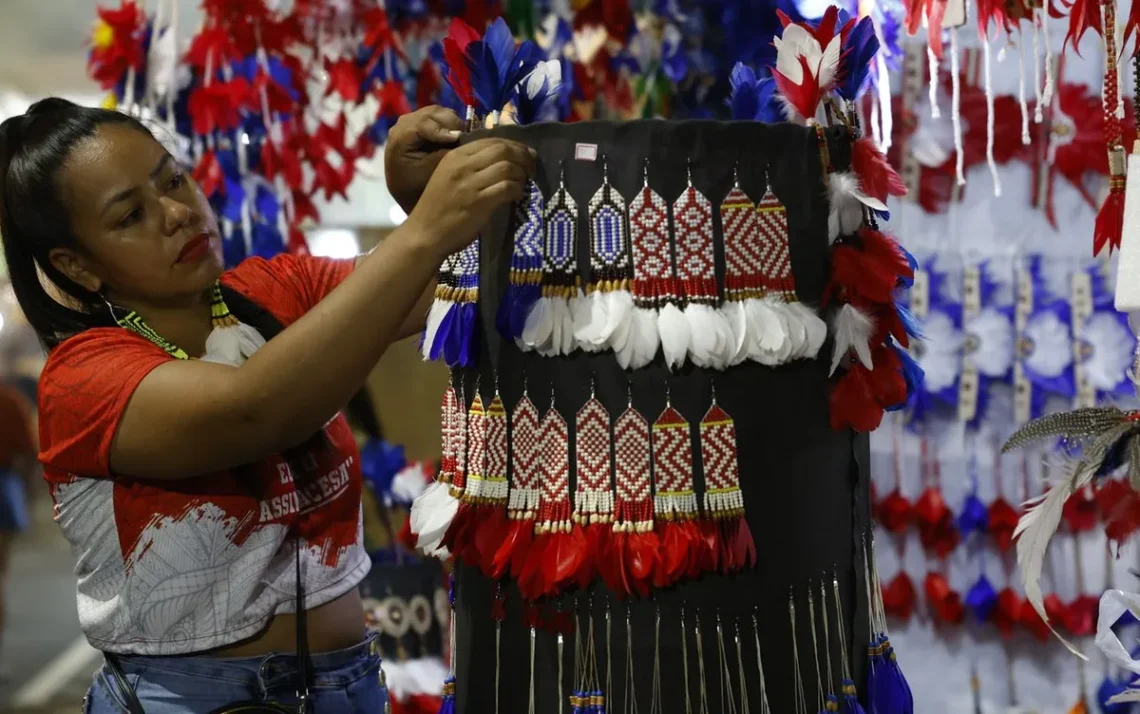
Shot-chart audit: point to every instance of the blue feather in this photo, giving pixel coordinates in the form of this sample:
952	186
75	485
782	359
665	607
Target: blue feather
910	323
497	66
753	98
974	517
982	599
858	53
529	107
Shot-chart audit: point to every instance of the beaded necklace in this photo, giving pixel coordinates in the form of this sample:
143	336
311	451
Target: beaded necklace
220	317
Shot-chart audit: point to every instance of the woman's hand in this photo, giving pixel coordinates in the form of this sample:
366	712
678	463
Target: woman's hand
469	184
416	144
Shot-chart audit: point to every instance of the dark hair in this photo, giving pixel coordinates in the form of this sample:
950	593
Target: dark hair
34	218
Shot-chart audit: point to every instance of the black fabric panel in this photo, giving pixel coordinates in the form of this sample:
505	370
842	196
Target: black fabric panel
805	485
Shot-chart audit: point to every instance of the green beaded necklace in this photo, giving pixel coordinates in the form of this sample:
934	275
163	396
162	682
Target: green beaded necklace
220	317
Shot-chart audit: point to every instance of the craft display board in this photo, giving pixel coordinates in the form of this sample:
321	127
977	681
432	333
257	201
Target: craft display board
804	484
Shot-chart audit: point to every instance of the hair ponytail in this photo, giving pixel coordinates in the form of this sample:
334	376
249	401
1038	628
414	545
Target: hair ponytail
34	218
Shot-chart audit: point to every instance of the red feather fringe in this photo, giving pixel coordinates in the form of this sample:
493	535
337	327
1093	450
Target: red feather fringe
876	176
552	563
510	556
459	35
1110	219
491	530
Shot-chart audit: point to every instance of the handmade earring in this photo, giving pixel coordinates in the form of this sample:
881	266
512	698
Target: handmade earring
604	320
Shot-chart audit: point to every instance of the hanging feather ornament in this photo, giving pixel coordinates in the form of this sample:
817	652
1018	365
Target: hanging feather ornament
887	689
1100	433
657	319
497	67
753	98
559	547
593	498
723	499
805	330
524	286
525	490
549	327
1110	219
451	329
632	560
456	65
675	500
490	497
759	326
460	537
710	336
536	94
433	510
807	63
604	319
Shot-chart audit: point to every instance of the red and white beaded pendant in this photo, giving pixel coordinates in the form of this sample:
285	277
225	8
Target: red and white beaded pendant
806	330
460	536
710	336
723	499
491	497
559	545
658	316
525	489
629	565
434	509
593	496
675	502
760	334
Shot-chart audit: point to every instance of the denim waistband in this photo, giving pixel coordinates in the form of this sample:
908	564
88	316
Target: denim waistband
329	669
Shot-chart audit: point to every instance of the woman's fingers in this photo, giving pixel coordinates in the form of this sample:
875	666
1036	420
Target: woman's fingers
503	192
499	172
439	130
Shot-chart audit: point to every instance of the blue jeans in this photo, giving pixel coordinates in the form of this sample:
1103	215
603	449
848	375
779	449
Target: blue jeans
347	681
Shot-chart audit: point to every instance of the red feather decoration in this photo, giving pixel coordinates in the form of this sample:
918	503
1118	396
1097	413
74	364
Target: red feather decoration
1007	613
459	36
899	596
208	174
945	603
876	176
1083	15
1003	520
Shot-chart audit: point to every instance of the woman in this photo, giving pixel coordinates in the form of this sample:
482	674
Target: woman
209	500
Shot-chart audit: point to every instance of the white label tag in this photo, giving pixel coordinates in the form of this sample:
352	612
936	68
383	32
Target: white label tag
586	152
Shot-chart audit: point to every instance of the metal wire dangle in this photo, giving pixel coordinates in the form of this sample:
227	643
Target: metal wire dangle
764	707
727	702
801	699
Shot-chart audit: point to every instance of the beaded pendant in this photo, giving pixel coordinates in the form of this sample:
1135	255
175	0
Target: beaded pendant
604	320
524	286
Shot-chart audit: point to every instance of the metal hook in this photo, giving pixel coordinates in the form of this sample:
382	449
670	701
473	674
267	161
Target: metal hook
736	175
645	171
668	396
629	394
525	377
591	385
562	173
552	394
712	388
605	170
689	171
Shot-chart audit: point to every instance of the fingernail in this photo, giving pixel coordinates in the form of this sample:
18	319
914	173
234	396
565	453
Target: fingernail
533	153
454	133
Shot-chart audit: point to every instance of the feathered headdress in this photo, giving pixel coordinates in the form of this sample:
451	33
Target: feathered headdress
497	67
807	62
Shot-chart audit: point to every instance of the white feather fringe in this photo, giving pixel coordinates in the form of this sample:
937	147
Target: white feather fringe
852	329
704	335
814	325
734	314
642	340
232	345
431	516
674	331
767	322
538	330
845	211
434	318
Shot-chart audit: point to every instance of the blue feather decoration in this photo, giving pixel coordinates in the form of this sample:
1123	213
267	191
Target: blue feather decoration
982	599
497	66
525	282
753	98
974	517
857	55
537	92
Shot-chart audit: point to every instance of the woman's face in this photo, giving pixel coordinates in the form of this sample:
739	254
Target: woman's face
147	235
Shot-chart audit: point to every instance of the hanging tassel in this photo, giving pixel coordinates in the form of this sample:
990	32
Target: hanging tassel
759	328
1110	219
434	510
956	109
723	499
805	330
559	546
459	539
440	306
524	286
632	560
490	499
456	309
675	500
710	336
593	499
990	115
932	65
605	319
1021	89
549	328
523	498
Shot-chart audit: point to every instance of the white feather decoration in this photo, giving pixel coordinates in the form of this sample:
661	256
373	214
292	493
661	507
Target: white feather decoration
796	330
673	328
434	319
845	211
643	341
703	334
431	516
814	325
1036	529
619	313
232	345
852	329
538	330
589	314
734	315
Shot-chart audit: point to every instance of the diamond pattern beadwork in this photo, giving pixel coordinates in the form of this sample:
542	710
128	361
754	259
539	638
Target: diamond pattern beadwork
593	499
653	272
723	498
744	262
494	490
696	257
554	505
525	454
634	508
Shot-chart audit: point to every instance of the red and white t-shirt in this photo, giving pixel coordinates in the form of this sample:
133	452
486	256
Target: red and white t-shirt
175	567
